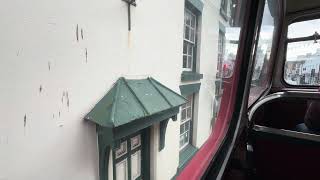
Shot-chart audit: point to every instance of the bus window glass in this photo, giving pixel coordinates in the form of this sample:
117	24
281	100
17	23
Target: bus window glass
261	73
304	28
303	55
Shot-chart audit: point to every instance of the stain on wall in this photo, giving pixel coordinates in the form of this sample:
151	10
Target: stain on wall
86	53
25	120
81	33
77	32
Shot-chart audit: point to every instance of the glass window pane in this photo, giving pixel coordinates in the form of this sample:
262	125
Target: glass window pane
192	37
193	21
187	33
136	165
183	114
184	61
188	22
261	73
190	49
189	62
304	28
189	113
181	128
135	142
186	137
185	48
303	63
122	170
122	150
187	126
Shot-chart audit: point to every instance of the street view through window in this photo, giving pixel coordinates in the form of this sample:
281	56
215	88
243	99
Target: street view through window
302	66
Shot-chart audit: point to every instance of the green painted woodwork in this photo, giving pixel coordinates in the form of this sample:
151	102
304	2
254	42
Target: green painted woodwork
162	136
128	107
189	89
104	152
142	123
190	76
198	4
184	157
186	154
145	154
129	100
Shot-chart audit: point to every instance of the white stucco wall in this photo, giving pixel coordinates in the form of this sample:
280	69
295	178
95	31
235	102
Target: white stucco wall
40	50
208	63
36	34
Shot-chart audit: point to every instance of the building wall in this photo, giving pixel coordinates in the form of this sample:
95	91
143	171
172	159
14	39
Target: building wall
208	63
51	77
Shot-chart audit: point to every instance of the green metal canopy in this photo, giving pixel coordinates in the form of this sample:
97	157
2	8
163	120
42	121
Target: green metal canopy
130	106
130	100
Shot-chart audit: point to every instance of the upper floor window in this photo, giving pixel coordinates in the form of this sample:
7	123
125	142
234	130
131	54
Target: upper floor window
302	65
186	122
189	40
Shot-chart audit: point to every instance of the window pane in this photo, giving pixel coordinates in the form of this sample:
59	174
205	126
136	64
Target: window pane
185	48
192	37
193	21
183	114
189	62
181	128
136	165
304	28
303	63
187	33
187	125
122	170
188	22
260	77
189	113
135	142
186	137
184	61
190	49
122	150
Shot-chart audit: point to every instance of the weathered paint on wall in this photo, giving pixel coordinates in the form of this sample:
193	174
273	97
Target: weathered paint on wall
58	58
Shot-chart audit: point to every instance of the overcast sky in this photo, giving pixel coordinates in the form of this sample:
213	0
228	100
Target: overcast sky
301	29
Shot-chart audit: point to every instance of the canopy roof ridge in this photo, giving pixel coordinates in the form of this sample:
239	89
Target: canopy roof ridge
158	90
113	106
135	96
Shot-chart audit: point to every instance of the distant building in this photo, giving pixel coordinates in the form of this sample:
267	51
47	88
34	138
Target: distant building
309	70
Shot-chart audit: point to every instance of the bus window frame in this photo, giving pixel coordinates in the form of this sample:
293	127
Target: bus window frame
211	153
273	54
294	18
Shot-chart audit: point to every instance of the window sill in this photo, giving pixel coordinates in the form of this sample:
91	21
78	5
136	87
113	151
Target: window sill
190	76
185	156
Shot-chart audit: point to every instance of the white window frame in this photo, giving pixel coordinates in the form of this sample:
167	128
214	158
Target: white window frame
188	119
190	40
